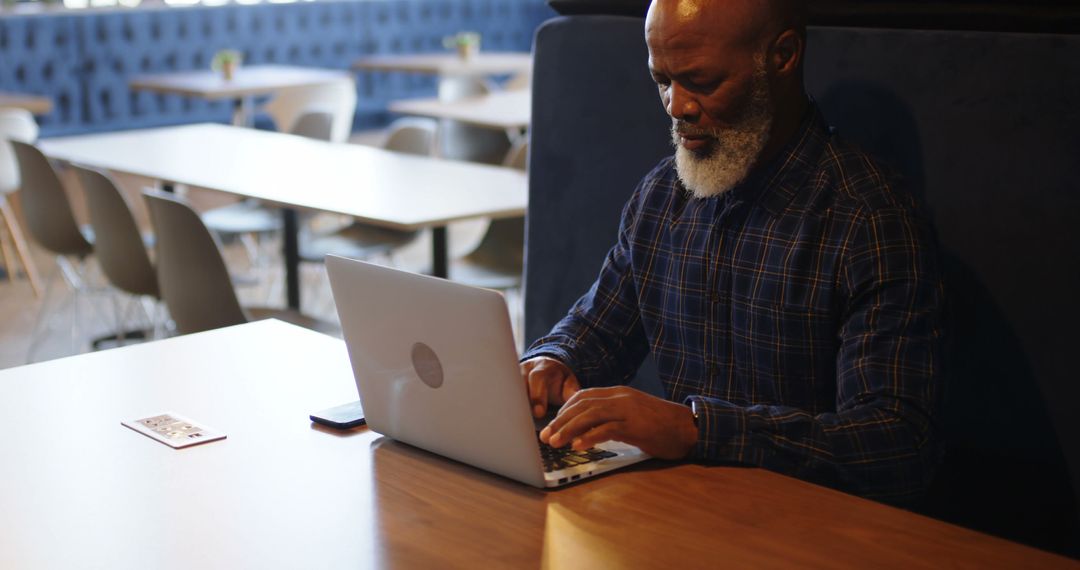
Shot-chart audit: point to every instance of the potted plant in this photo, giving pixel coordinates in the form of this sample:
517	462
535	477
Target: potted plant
466	43
226	61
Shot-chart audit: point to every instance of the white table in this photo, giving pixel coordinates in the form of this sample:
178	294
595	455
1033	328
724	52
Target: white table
509	110
393	190
247	82
36	104
449	63
81	491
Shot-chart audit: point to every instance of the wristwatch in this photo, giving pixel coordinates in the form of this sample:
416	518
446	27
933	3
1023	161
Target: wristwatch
695	410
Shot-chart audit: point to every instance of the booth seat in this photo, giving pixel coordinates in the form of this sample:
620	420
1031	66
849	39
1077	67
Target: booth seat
984	126
84	60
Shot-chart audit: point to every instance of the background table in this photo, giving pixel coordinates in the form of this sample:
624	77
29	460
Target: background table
81	491
248	82
36	104
509	110
449	64
392	190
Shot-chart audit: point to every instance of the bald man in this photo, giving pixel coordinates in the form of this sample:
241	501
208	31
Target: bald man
787	288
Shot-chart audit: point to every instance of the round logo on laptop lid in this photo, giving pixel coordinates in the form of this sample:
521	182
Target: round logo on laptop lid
427	365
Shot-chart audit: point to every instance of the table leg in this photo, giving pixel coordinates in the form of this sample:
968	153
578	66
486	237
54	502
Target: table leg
242	111
439	252
291	252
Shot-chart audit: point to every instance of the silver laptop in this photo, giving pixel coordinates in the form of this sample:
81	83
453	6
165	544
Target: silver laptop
436	367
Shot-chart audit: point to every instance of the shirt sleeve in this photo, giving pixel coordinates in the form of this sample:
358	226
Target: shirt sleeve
601	339
879	442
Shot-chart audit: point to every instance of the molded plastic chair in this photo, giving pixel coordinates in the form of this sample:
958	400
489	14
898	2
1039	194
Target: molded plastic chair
499	259
120	249
248	218
52	225
338	99
364	241
458	141
317	125
15	124
118	244
191	273
45	204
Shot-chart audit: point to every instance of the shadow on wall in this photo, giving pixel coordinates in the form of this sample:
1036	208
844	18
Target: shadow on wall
1003	471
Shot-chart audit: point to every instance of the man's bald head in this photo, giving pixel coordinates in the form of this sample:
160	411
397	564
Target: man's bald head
740	21
729	74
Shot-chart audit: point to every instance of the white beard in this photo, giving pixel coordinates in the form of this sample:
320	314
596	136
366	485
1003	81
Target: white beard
734	149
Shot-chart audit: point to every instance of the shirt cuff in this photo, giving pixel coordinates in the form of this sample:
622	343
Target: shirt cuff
722	431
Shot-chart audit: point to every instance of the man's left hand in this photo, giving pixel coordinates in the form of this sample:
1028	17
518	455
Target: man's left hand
660	428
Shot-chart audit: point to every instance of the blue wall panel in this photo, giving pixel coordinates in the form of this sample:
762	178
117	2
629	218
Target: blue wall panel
85	60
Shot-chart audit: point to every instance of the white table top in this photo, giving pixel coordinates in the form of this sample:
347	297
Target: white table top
500	110
381	187
36	104
81	491
248	80
449	63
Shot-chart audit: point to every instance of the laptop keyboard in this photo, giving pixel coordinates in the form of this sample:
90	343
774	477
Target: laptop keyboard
556	458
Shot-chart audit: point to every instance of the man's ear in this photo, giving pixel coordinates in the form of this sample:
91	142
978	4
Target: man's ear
787	52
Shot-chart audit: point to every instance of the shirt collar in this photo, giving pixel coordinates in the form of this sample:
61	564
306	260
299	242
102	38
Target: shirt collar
775	185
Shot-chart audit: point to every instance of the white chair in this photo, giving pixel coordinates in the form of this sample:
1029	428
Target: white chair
458	141
337	98
19	125
365	241
498	261
248	219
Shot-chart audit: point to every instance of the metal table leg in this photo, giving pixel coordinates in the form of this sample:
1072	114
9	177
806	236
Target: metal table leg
291	252
439	252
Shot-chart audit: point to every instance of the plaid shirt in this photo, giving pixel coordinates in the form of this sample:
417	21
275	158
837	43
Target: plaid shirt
800	310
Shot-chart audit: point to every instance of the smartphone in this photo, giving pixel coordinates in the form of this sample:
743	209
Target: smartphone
344	416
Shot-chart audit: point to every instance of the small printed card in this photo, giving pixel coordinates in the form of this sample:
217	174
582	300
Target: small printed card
174	430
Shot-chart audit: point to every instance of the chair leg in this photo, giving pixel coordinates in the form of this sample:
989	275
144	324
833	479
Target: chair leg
9	255
20	246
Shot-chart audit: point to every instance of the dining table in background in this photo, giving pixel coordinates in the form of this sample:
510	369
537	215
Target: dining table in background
448	64
506	110
247	83
36	104
392	190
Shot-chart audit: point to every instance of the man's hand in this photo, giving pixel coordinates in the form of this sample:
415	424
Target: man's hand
660	428
549	382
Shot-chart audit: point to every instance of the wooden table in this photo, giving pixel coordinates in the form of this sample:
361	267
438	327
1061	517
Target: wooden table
248	82
392	190
508	110
36	104
81	491
449	63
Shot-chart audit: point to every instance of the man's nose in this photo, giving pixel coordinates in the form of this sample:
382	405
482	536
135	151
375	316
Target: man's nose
682	106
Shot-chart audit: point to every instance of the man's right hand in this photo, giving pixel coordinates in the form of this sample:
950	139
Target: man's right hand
549	381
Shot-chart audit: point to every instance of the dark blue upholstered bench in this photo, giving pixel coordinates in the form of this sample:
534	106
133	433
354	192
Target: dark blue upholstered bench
984	125
84	60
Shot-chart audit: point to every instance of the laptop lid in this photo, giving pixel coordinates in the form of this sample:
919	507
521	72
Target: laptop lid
436	366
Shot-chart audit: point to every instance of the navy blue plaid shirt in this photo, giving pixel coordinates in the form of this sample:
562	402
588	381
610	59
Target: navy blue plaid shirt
801	310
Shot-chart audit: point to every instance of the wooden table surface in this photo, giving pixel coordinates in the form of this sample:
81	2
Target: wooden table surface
511	110
36	104
81	491
449	63
248	80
